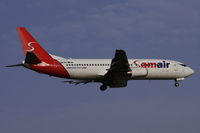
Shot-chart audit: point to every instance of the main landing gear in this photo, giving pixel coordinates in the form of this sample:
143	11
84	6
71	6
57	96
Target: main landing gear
103	87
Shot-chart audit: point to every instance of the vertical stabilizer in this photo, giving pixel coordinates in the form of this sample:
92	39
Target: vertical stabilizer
37	58
31	45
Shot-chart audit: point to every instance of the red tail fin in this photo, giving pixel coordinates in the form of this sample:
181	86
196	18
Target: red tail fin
37	58
31	45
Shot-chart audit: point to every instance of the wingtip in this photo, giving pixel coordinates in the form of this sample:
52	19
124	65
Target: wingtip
120	51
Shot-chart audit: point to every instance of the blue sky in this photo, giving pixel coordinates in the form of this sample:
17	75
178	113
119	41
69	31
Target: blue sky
169	29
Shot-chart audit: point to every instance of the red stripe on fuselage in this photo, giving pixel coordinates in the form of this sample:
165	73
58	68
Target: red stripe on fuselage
55	68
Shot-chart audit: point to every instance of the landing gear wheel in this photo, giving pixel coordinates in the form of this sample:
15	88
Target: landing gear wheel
176	84
103	87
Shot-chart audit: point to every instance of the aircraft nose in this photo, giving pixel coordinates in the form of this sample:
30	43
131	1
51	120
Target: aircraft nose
190	71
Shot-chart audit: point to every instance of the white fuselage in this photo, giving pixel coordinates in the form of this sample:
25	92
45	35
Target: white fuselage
90	69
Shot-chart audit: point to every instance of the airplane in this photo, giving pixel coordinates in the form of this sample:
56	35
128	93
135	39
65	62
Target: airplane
112	73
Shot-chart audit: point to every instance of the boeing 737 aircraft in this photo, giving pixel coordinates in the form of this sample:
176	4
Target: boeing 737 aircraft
113	73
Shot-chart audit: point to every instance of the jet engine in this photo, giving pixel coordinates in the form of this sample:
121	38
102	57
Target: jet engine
138	72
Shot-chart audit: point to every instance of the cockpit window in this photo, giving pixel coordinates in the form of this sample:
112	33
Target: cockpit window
183	65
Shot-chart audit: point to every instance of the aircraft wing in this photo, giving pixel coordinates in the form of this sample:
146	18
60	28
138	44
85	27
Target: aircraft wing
116	76
119	68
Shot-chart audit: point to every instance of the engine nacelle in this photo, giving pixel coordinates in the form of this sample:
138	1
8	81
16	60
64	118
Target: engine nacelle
138	72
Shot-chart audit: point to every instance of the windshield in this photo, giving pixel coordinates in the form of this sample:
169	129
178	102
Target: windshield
183	65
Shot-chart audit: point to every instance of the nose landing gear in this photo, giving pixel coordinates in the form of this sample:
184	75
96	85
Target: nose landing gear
176	84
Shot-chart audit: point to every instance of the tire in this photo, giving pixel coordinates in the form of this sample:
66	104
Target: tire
176	84
103	87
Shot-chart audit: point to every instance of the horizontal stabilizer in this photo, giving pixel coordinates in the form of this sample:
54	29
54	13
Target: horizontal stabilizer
15	65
